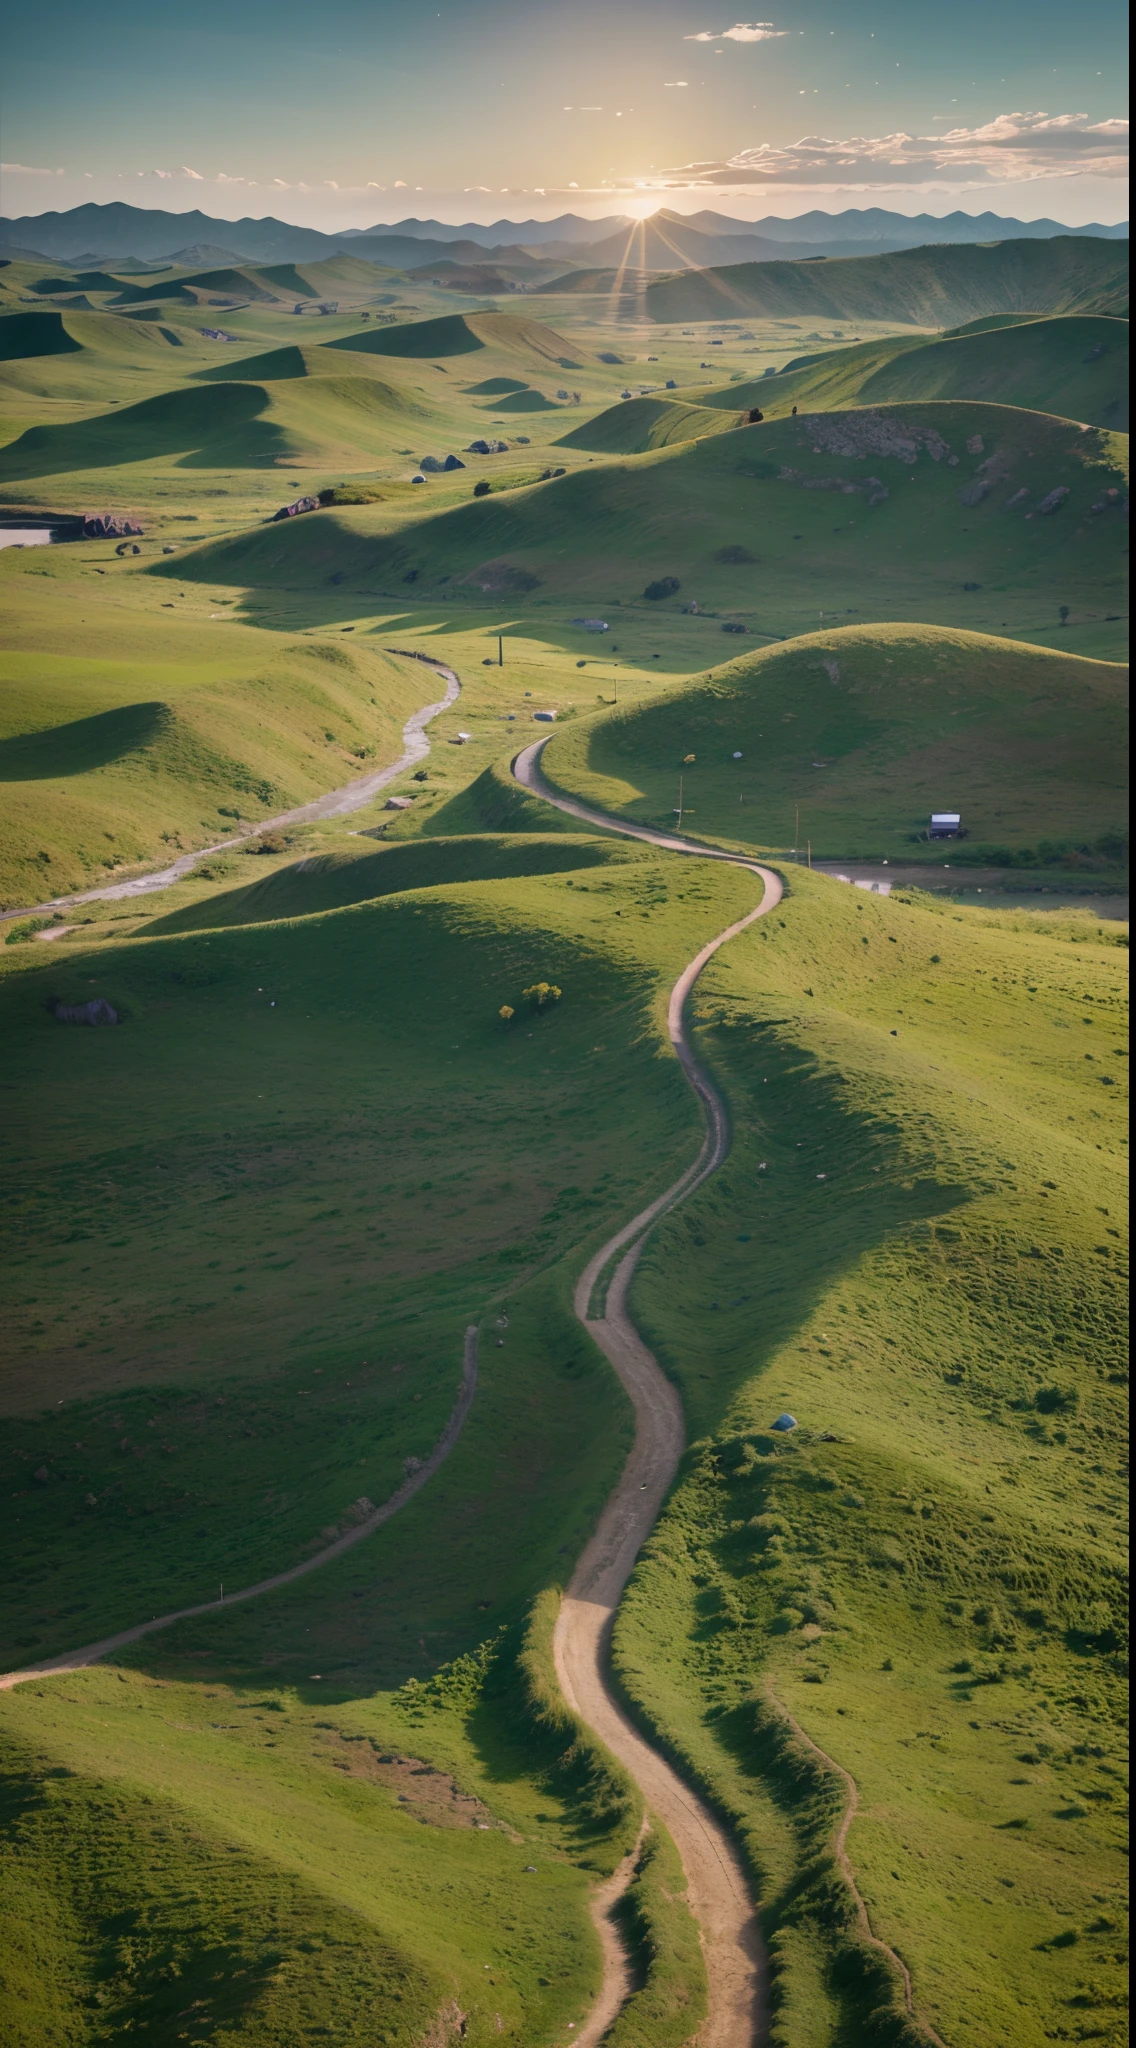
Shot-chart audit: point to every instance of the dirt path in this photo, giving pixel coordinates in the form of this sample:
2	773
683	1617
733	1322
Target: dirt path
738	2014
76	1660
338	803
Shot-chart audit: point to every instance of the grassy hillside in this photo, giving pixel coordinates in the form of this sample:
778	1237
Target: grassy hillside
917	1249
918	512
464	334
1075	365
936	286
128	734
336	1248
637	424
859	734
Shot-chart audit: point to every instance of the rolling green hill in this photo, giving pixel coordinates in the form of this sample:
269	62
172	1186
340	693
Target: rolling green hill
135	735
462	334
1075	365
860	734
925	512
930	287
637	424
252	425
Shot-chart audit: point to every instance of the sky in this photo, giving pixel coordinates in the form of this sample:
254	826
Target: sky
361	111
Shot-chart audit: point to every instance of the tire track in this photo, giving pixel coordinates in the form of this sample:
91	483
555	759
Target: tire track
77	1660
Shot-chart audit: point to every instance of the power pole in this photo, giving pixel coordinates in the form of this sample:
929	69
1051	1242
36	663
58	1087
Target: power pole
500	652
796	828
810	846
680	803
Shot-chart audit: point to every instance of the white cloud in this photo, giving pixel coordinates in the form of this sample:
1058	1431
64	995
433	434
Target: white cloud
672	84
157	174
29	170
187	173
742	32
1010	148
400	184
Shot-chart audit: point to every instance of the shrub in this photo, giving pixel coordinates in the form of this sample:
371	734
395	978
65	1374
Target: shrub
542	993
506	1014
482	489
663	586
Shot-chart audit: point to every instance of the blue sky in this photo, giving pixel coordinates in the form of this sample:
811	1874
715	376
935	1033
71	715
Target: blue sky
363	110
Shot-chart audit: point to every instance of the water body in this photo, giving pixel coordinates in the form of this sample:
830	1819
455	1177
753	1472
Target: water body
25	536
984	886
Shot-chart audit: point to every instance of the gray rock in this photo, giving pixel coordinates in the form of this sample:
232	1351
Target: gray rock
1054	499
487	447
973	494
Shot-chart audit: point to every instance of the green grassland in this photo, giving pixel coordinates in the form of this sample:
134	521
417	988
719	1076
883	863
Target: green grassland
940	286
249	1226
917	1249
638	424
849	740
1075	365
906	513
130	732
231	1422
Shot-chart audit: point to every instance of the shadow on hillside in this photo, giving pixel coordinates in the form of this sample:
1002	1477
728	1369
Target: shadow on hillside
206	428
85	744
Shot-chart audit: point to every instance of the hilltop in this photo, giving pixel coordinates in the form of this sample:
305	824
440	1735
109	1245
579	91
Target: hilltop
1075	365
463	334
850	739
928	287
974	515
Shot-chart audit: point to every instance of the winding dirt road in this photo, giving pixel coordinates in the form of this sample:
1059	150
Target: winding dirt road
716	1887
77	1660
337	803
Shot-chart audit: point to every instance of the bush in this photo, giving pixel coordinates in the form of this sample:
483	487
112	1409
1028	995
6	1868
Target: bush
663	586
542	993
482	489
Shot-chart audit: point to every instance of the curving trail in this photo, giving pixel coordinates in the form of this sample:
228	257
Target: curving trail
77	1660
337	803
717	1893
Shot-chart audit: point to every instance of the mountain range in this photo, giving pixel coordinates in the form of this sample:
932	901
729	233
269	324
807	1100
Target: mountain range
665	242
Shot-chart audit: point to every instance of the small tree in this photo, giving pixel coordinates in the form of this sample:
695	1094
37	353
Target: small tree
481	489
541	993
1063	614
506	1014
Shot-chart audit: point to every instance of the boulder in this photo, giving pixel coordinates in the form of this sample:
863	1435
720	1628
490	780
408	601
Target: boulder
109	526
438	465
397	803
1054	499
293	511
482	447
97	1011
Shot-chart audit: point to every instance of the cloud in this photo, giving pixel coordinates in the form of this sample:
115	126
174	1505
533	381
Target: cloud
1009	148
672	84
157	174
742	32
187	173
29	170
400	184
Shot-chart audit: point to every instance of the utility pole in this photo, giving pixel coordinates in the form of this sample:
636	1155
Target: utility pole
810	847
500	652
680	803
796	828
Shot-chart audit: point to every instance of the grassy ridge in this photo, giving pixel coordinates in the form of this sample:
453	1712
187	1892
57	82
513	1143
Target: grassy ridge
930	287
637	424
1075	365
827	513
130	733
850	740
908	1252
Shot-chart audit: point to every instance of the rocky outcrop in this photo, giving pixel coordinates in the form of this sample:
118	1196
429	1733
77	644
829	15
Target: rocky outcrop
109	526
487	447
436	465
859	434
293	511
